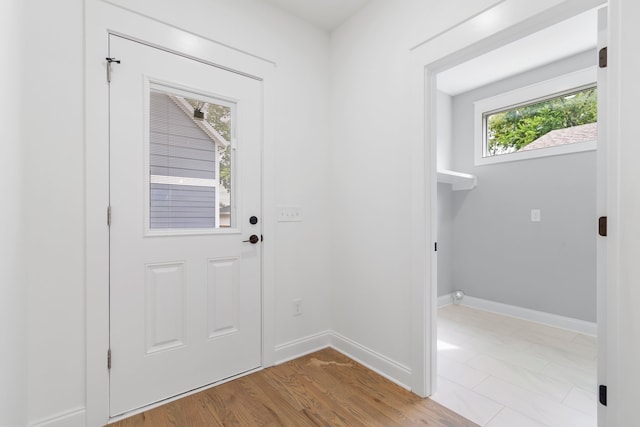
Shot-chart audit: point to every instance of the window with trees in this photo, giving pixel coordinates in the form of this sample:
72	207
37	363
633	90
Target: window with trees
558	116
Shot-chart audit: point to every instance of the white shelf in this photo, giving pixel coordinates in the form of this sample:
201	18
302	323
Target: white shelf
458	180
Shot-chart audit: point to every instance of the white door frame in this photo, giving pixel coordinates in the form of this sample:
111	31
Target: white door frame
102	19
463	41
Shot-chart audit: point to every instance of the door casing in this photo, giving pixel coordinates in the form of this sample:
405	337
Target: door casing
461	42
103	19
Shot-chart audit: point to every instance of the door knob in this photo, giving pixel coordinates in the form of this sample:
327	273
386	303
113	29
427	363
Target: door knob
253	239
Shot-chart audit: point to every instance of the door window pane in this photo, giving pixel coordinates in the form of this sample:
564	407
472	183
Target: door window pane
190	174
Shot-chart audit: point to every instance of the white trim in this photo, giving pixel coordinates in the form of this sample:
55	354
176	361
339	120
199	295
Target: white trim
102	19
382	365
294	349
445	300
526	94
181	180
466	40
388	368
72	418
549	319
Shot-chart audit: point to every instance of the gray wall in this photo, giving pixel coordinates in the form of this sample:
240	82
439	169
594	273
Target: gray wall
498	253
445	239
445	197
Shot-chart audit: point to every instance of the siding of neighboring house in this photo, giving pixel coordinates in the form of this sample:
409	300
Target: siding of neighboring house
179	148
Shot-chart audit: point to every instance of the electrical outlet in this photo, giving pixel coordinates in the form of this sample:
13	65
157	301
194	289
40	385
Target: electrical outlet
297	307
289	213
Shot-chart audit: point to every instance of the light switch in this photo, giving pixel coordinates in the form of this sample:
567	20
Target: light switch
289	213
535	215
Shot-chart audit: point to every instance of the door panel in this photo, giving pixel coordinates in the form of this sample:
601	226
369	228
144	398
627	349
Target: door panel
185	303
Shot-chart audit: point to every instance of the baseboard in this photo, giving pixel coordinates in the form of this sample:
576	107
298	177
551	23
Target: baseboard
388	368
575	325
445	300
73	418
302	346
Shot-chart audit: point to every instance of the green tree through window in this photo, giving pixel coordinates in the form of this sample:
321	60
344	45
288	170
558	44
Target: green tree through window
510	130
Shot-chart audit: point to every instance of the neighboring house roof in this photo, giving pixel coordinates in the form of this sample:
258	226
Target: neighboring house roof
582	133
202	124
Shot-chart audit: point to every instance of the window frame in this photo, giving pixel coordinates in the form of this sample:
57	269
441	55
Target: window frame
536	92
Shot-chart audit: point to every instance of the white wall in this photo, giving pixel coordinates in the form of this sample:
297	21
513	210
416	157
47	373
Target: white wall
350	242
55	206
301	54
371	257
55	185
13	292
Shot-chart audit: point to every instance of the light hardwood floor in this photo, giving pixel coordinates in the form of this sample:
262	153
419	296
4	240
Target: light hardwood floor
325	388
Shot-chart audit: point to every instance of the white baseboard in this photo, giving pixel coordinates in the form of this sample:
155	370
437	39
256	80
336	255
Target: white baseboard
73	418
302	346
575	325
388	368
378	363
445	300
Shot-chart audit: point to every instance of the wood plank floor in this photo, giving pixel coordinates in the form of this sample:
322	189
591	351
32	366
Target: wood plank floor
325	388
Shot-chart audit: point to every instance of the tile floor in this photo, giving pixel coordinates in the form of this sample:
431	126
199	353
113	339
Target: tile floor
499	371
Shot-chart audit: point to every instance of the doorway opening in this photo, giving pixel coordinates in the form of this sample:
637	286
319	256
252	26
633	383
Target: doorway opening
517	249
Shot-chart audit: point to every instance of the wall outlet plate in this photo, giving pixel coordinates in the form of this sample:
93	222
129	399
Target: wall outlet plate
297	307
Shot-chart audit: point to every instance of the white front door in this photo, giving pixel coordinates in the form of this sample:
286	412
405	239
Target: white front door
185	302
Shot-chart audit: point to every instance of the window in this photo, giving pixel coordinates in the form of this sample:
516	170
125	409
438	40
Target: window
189	161
554	117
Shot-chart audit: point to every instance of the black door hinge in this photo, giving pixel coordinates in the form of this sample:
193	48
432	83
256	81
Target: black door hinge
435	247
603	395
602	57
602	226
109	359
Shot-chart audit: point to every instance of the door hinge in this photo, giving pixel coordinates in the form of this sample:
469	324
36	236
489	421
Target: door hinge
603	395
109	359
602	57
109	62
435	247
602	226
109	216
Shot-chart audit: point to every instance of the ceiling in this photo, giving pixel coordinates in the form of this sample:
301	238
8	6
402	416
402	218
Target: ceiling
325	14
558	41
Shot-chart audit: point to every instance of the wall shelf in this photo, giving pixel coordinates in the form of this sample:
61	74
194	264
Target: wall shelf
458	180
